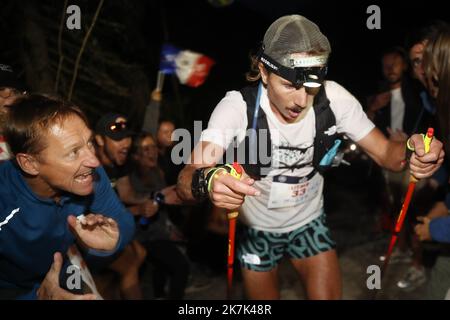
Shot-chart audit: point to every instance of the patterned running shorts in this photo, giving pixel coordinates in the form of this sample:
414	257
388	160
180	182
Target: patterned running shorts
262	250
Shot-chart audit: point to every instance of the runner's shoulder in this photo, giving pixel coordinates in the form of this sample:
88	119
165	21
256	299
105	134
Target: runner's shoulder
335	89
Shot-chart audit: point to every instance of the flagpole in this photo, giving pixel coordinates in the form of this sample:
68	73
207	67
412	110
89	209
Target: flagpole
160	81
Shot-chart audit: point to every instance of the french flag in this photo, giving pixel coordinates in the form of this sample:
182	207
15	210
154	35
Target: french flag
191	68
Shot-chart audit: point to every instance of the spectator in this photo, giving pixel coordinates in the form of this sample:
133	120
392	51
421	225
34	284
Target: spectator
436	65
54	178
146	181
113	140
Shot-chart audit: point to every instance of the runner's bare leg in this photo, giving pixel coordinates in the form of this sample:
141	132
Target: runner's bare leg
261	285
320	275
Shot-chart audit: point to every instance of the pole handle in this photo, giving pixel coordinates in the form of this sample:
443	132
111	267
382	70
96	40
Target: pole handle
236	172
427	138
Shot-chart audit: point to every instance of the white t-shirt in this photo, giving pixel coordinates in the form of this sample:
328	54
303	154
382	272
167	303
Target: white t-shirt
292	144
397	109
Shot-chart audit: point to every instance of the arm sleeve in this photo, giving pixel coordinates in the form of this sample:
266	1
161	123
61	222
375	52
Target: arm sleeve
228	120
440	229
31	295
151	117
350	116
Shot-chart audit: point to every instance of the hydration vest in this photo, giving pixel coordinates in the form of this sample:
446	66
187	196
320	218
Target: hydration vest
324	141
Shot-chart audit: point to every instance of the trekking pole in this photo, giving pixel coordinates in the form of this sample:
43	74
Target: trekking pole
401	217
236	172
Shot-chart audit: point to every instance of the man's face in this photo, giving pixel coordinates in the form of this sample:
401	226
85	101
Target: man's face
393	67
117	150
147	155
416	56
164	134
286	101
7	96
68	161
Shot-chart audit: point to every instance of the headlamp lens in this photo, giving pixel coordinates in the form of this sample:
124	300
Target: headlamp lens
311	77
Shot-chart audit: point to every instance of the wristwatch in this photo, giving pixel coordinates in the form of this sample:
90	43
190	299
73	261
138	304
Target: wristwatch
158	197
199	185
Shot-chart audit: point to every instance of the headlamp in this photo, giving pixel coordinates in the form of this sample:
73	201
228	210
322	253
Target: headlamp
302	73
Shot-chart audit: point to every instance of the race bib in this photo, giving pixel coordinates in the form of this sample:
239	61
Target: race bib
289	191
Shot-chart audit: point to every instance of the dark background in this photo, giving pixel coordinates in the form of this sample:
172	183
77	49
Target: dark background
119	65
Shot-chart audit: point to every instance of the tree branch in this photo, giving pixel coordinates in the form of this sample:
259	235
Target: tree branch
77	63
60	53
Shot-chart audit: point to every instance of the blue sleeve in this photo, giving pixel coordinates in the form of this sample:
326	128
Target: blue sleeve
440	229
32	295
106	202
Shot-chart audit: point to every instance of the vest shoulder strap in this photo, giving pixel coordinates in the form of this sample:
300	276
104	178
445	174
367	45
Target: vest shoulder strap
325	129
253	165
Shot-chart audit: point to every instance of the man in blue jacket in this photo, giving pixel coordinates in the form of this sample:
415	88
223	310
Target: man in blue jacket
53	194
436	227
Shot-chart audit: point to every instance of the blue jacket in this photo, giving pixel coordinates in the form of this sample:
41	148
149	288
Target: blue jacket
32	228
440	227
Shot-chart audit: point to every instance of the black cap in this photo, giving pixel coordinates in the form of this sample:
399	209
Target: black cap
8	78
114	126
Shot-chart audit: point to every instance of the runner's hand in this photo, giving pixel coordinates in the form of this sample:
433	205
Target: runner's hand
228	192
423	165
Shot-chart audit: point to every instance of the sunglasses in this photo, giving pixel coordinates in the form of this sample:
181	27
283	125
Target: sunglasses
118	126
